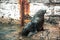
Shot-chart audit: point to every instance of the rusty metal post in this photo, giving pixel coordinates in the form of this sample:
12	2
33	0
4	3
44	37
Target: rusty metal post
22	12
24	9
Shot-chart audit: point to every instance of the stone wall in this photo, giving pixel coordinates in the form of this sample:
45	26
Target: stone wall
10	9
43	1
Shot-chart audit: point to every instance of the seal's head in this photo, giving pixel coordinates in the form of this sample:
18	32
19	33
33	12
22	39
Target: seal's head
41	12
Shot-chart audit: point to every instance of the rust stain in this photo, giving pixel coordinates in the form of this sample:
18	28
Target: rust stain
24	9
27	7
22	12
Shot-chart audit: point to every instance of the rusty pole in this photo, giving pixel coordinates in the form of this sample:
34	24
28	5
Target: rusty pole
24	9
22	12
